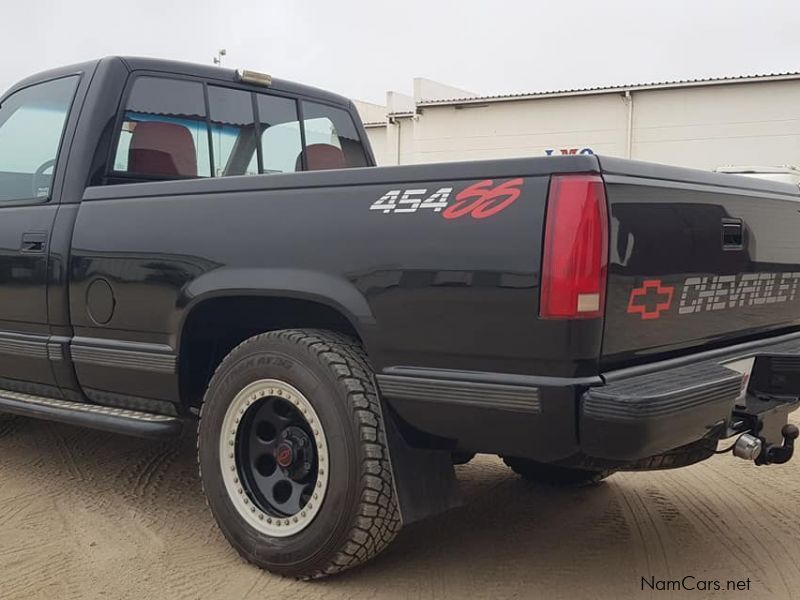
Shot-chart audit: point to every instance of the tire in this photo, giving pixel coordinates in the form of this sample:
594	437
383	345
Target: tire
312	392
531	470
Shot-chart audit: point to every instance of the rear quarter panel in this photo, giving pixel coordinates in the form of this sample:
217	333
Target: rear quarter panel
441	293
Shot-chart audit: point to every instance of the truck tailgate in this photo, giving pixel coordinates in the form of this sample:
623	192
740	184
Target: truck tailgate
696	258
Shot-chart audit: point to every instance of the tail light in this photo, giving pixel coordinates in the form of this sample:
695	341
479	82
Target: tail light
575	255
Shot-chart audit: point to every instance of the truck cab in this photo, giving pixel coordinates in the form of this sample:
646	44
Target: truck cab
120	121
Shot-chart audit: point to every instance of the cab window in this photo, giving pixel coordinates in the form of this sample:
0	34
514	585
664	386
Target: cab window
32	124
167	132
332	140
164	131
238	144
281	142
233	132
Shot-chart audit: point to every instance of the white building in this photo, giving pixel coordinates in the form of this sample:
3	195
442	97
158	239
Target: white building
706	123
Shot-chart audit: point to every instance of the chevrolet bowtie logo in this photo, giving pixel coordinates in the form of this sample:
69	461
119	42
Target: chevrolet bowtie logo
650	299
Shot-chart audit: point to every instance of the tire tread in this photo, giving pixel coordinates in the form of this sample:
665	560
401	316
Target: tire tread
377	520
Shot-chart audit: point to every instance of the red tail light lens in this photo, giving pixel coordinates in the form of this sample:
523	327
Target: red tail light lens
575	256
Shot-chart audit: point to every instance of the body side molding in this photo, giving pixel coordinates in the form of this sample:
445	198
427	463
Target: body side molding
465	393
128	355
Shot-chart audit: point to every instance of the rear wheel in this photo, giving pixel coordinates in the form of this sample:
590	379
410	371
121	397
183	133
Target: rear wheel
549	474
293	454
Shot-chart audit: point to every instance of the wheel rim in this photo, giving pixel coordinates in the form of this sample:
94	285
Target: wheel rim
274	457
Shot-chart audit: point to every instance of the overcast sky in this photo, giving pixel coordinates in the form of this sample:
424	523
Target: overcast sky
363	48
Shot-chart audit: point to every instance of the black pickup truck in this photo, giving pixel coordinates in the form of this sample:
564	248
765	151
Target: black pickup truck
182	244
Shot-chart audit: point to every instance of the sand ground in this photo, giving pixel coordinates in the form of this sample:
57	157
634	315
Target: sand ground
92	515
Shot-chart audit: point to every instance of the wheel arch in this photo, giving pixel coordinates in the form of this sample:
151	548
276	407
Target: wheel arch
261	300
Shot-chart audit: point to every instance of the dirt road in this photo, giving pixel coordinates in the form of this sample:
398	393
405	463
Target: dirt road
91	515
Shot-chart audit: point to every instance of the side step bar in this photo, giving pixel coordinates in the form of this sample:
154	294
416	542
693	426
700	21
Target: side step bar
104	418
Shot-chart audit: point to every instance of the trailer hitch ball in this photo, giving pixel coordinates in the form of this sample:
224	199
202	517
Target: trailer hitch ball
748	447
777	455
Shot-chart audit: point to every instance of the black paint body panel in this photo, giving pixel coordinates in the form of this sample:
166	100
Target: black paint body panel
419	289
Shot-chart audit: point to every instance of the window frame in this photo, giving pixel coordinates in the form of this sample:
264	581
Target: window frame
301	119
113	177
61	155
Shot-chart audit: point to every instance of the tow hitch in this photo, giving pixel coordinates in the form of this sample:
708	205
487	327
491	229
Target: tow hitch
765	436
751	447
769	392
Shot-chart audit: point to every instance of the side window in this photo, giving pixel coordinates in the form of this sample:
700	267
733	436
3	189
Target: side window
32	124
281	143
233	132
332	140
164	131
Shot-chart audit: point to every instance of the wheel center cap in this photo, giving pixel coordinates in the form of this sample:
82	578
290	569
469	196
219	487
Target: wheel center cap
284	455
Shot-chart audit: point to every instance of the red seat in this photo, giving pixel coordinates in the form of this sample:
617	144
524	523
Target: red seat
320	157
159	148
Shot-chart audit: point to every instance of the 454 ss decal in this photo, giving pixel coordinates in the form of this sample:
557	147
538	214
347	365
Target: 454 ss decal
479	201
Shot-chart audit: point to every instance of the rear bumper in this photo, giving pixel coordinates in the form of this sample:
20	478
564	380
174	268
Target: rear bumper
620	417
646	411
653	413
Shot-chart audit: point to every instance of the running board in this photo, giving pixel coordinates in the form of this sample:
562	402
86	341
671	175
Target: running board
94	416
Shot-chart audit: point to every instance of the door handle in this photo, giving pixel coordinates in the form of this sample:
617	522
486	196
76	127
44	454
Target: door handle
34	242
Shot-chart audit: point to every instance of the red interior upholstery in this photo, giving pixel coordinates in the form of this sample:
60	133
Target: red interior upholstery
320	157
159	148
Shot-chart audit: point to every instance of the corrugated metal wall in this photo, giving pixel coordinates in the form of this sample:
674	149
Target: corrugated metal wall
705	126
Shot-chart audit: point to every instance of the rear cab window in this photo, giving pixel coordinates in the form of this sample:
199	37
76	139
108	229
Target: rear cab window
281	139
233	132
175	128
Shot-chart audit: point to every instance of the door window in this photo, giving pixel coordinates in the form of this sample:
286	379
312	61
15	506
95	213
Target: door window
32	124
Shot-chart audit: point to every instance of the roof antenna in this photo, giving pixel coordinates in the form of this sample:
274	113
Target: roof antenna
222	52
